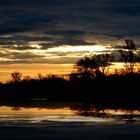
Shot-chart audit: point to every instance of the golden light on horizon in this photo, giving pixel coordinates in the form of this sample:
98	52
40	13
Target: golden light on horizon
33	70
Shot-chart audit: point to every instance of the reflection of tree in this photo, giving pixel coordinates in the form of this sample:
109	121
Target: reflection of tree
90	110
92	113
16	108
129	117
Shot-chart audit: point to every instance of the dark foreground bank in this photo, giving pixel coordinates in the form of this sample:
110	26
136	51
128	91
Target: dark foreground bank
72	131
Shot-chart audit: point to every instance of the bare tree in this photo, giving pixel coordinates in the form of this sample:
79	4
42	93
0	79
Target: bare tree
89	66
104	61
16	76
128	56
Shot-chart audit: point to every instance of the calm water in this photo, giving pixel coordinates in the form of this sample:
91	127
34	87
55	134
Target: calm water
22	115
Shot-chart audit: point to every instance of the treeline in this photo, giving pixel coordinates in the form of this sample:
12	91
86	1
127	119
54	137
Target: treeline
114	91
90	83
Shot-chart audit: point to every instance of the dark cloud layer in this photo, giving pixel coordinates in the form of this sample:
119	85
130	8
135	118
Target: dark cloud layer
74	16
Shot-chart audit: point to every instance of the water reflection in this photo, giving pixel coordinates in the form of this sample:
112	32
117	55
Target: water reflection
43	116
44	113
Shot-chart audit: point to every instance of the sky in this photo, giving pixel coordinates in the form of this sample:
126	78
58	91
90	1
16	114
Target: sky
49	36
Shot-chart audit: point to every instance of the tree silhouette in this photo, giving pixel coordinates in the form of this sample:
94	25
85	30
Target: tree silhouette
128	56
87	66
94	65
104	61
16	77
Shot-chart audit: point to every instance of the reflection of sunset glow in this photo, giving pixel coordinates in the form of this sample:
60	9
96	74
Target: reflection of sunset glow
65	110
121	111
11	110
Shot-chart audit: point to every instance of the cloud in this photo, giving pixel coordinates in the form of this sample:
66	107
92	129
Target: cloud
54	23
62	15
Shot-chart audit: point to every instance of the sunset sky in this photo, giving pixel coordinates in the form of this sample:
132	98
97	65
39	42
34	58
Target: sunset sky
49	36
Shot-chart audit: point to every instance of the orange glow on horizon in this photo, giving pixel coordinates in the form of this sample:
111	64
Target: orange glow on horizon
33	70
